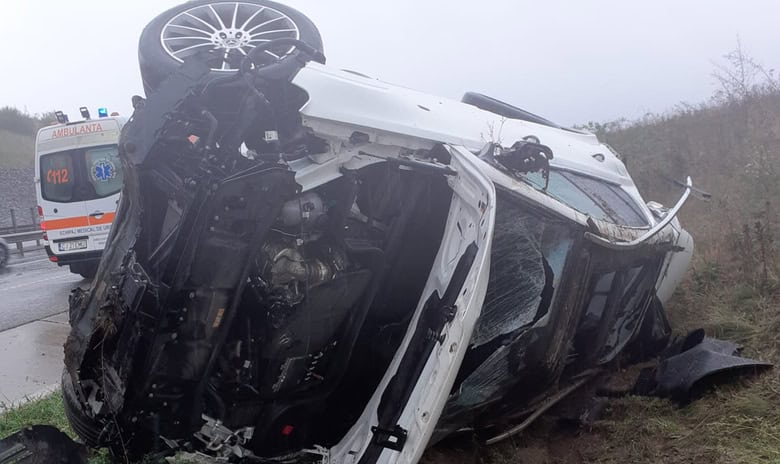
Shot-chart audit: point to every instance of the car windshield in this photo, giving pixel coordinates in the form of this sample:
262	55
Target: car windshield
596	198
81	174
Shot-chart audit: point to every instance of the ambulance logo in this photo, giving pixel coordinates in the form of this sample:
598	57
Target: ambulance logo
103	170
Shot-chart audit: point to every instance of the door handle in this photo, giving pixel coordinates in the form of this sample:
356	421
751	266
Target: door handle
97	214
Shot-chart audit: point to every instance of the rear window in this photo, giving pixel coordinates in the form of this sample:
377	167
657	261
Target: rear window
594	197
82	174
57	183
105	172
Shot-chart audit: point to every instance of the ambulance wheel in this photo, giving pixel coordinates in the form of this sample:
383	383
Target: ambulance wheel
226	29
85	270
4	255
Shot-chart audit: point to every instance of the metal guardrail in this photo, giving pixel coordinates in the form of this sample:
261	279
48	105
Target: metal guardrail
15	226
21	237
22	228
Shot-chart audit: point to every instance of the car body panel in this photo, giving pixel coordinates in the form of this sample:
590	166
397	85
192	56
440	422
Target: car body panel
426	402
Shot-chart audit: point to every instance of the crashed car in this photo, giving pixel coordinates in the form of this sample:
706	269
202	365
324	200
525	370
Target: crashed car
310	265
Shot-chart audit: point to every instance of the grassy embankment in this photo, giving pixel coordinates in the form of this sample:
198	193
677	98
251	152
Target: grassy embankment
17	137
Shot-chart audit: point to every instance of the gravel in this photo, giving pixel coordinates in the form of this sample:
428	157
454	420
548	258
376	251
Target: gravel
17	192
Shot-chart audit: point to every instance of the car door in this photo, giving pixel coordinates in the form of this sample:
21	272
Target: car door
64	212
103	172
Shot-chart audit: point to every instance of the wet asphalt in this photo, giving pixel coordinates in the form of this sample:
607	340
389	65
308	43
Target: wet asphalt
33	326
34	288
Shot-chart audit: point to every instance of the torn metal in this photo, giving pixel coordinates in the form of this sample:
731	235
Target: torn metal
693	363
41	444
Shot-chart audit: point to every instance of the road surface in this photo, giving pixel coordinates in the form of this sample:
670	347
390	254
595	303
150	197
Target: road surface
33	326
34	289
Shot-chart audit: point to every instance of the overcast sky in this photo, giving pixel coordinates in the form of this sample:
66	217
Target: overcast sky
570	61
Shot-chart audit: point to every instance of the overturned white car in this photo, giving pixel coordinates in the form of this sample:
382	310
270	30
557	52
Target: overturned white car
309	265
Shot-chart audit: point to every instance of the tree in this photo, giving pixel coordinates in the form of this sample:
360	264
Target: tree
741	77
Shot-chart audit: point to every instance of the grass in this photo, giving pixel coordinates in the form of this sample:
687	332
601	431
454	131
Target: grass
47	410
737	423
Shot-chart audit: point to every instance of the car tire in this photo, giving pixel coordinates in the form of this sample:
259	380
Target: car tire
229	27
506	110
84	426
86	270
5	255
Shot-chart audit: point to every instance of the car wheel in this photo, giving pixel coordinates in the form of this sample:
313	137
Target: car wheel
85	270
4	255
506	110
86	429
226	29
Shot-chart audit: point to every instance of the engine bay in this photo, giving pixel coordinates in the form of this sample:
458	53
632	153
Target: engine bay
236	305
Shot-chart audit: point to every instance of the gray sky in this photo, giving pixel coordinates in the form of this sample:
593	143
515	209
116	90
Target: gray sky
570	61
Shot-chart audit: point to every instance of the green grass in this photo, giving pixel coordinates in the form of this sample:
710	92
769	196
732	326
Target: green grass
735	424
48	410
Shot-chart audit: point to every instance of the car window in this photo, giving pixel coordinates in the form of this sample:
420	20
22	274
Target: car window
104	168
598	199
598	301
527	263
81	174
57	180
613	200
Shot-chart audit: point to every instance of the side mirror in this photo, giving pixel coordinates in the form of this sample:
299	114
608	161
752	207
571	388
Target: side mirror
525	156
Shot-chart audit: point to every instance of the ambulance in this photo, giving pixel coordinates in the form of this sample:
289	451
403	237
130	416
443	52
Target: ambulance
78	178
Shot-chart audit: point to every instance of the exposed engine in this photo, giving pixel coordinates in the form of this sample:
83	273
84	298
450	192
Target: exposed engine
235	313
298	319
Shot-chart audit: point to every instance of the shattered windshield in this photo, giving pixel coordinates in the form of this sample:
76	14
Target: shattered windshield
596	198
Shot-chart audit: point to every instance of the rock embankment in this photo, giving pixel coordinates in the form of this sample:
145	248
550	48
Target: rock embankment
17	192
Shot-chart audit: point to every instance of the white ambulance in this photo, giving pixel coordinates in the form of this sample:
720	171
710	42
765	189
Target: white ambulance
78	178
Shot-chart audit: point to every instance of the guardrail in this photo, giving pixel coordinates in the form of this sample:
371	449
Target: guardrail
21	237
21	228
16	226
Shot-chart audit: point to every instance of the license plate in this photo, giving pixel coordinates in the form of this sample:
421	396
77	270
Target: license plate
73	245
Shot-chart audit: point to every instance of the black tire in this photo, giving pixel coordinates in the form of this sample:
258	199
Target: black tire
85	427
157	60
5	255
506	110
86	270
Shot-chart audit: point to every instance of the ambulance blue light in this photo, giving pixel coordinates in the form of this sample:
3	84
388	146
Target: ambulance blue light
102	112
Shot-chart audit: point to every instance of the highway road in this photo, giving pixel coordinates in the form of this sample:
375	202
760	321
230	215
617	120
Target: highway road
34	289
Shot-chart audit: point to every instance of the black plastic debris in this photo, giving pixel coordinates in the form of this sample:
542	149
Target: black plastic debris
41	444
693	363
